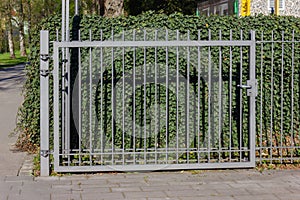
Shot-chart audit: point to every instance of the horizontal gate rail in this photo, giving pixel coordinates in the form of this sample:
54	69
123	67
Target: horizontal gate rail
175	43
151	167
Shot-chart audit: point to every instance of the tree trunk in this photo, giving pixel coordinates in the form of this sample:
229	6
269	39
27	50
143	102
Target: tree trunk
10	39
29	20
99	5
21	29
113	8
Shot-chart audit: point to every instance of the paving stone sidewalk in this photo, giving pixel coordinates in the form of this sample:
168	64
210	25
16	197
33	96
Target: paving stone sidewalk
11	82
223	185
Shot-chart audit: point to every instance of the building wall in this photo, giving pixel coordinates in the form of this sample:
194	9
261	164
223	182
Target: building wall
259	7
292	7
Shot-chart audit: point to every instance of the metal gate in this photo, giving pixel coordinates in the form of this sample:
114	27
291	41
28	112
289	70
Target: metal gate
154	100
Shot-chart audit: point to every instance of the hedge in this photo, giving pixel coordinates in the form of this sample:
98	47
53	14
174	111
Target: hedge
283	130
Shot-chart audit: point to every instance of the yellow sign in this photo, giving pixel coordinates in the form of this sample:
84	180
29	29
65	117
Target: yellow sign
245	7
276	7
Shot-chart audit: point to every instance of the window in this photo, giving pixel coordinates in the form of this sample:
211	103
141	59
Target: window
272	4
224	9
205	12
221	9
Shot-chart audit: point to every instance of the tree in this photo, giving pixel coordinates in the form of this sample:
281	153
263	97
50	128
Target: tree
28	11
6	10
21	28
113	8
165	6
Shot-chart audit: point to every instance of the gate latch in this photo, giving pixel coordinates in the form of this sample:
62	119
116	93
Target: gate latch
251	87
244	86
46	153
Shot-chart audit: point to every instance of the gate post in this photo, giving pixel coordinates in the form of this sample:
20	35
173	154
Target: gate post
44	103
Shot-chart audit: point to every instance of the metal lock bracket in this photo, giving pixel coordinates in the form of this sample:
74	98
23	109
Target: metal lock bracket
45	57
45	72
251	87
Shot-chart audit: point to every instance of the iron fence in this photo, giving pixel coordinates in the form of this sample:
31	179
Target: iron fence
278	72
161	99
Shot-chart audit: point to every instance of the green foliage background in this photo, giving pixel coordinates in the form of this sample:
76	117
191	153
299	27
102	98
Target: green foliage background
277	118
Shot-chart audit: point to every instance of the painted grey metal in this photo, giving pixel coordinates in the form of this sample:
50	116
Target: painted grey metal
152	167
272	96
191	43
278	138
44	102
64	156
76	7
275	142
252	93
292	90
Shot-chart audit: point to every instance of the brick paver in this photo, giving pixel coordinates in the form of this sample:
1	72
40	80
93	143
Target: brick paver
226	184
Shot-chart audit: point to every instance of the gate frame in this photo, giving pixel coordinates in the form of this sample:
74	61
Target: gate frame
251	93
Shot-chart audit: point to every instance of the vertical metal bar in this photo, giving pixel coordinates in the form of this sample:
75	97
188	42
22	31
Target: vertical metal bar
241	143
252	76
79	99
68	20
281	100
112	100
167	96
272	97
292	101
123	99
188	101
134	96
57	35
261	97
177	97
44	103
145	101
209	97
56	103
63	105
63	20
63	26
101	99
230	97
90	98
68	103
67	73
156	102
76	7
67	81
199	86
220	97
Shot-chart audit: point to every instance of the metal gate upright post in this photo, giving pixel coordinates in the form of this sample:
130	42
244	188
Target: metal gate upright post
252	93
44	103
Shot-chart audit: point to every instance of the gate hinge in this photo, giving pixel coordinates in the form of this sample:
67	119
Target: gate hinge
45	72
45	57
46	153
